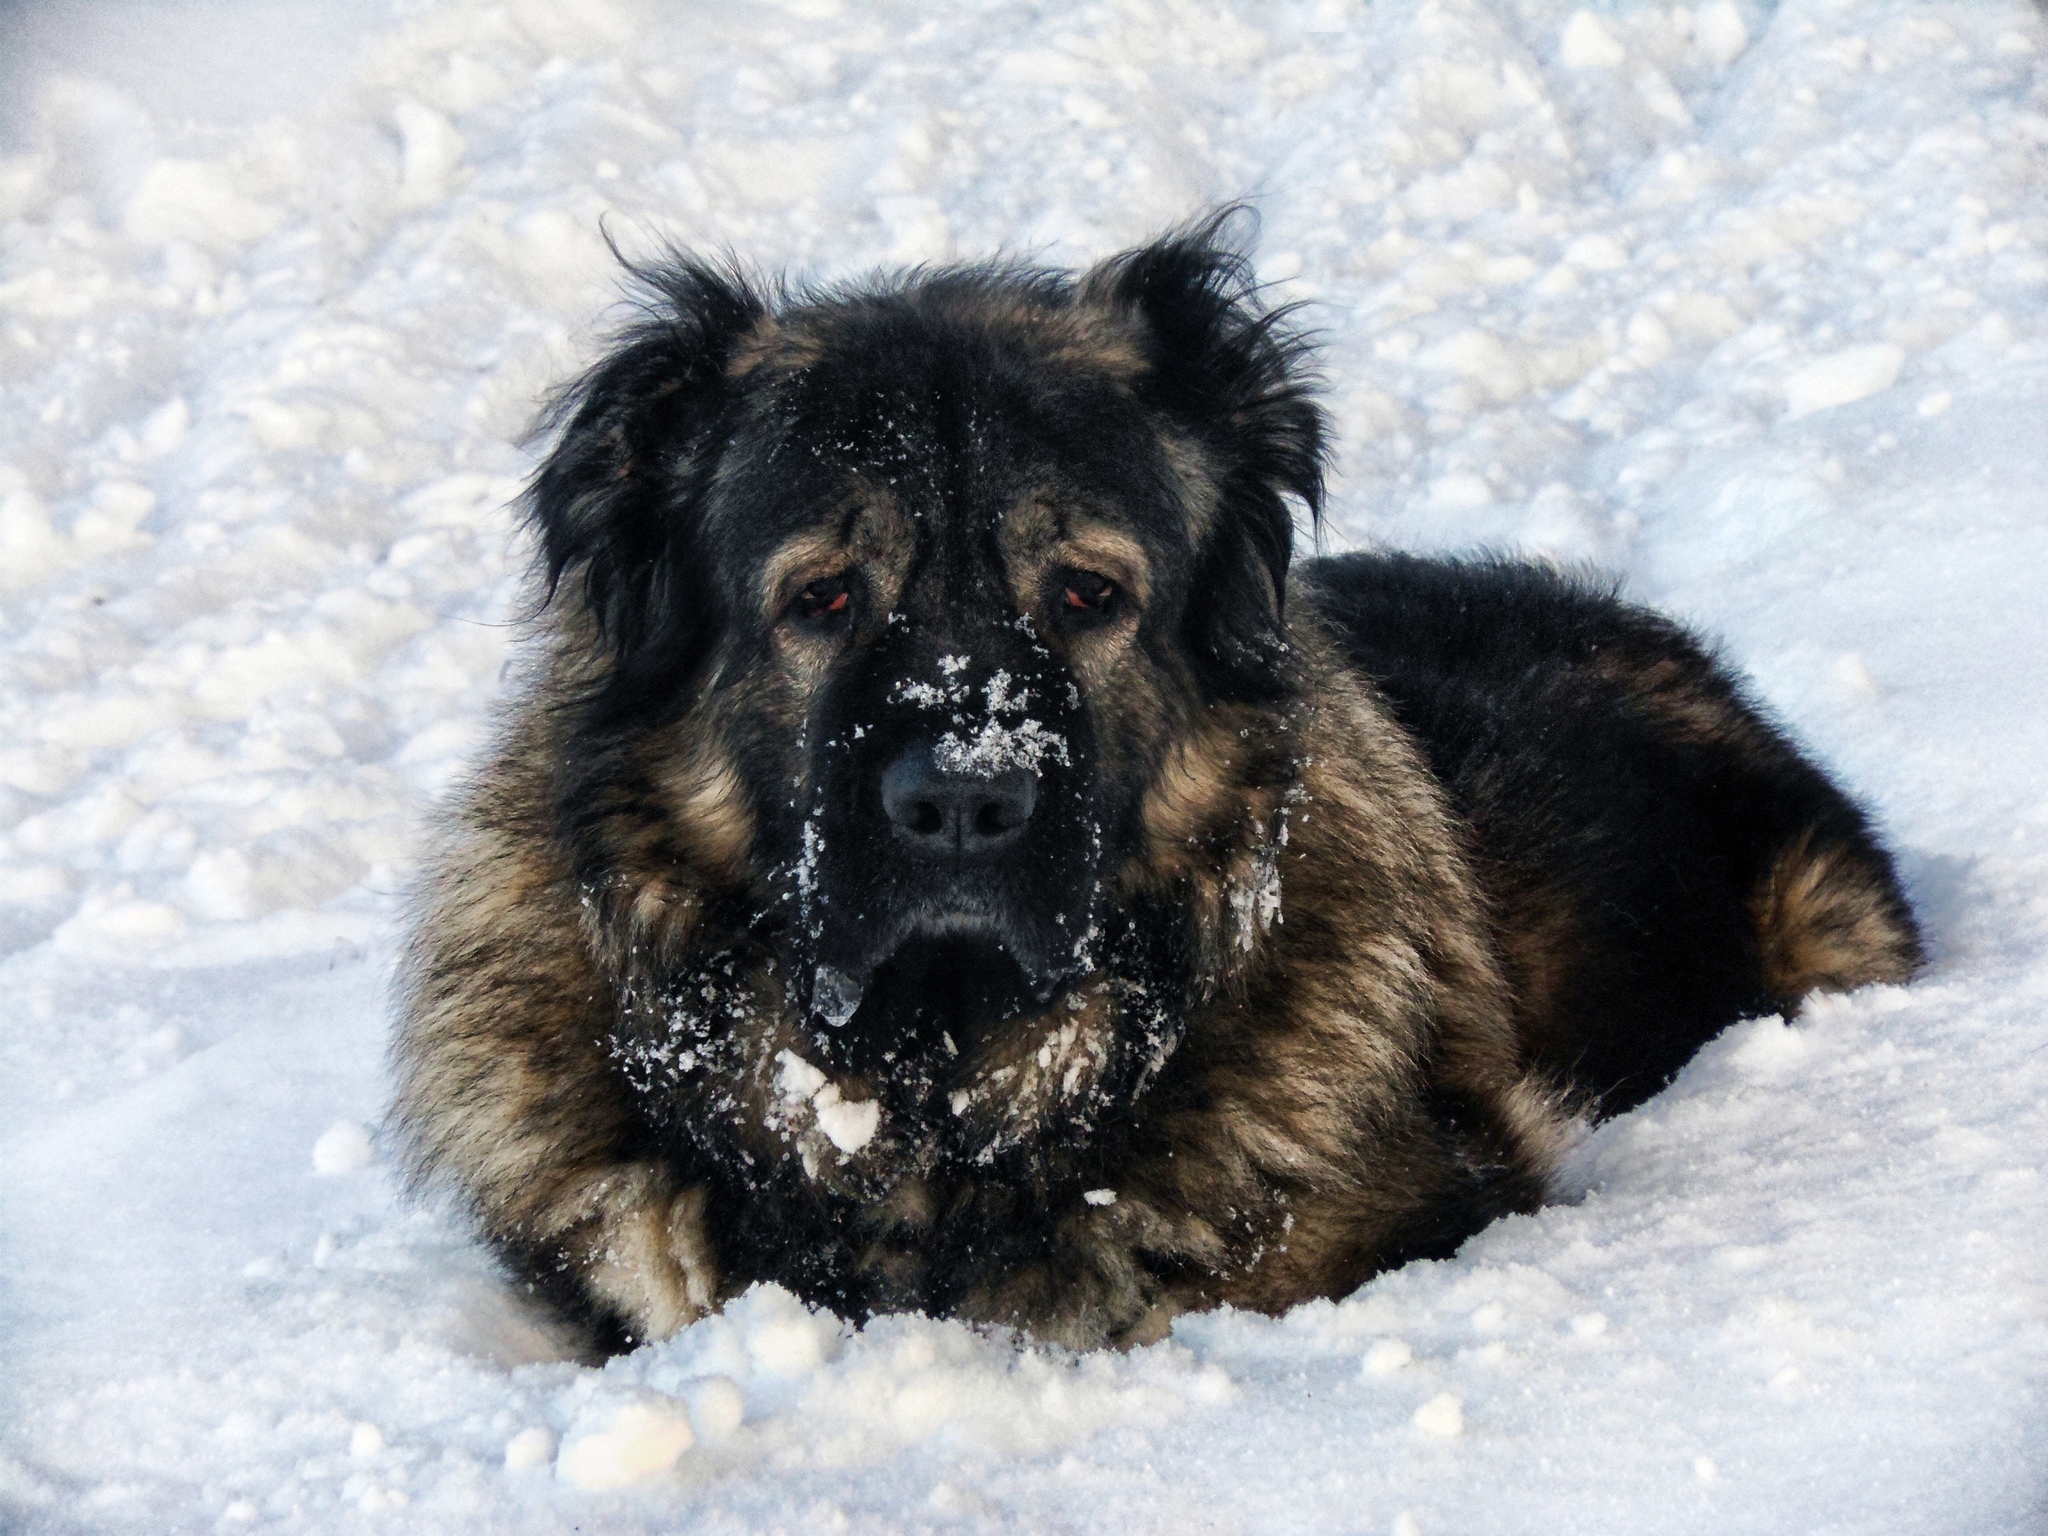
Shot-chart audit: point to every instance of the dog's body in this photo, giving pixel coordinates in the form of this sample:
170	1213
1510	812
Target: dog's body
942	861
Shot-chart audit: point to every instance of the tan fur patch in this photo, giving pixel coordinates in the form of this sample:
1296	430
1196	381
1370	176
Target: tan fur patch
1039	535
1199	495
1828	920
1197	792
872	534
711	806
774	343
1088	339
643	1249
1680	694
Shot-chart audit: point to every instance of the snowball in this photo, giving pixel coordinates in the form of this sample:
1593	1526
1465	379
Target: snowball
431	150
366	1440
166	426
1459	492
1483	358
1589	1325
956	1503
1386	1357
795	1078
530	1448
1405	1524
344	1147
114	925
849	1126
1935	402
786	1338
1842	377
717	1407
1850	671
1442	1415
1649	339
642	1439
1099	1196
1597	253
1587	44
27	539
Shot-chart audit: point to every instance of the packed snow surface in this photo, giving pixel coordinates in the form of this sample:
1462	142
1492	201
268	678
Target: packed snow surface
1748	306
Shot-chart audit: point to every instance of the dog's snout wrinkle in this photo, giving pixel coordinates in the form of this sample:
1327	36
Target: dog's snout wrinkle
945	814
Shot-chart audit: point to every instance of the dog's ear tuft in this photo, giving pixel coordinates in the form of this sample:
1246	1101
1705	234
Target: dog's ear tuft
1236	374
616	502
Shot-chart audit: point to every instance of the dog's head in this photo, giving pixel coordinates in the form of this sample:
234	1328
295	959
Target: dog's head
900	600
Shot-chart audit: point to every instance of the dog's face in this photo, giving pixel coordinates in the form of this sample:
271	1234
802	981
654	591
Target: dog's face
921	588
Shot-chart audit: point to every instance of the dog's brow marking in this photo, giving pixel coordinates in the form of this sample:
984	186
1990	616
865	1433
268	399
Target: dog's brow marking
871	534
1038	535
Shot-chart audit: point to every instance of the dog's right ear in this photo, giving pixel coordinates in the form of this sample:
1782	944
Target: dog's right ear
618	499
1237	374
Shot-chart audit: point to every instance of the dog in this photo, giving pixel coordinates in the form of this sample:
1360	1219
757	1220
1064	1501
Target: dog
944	859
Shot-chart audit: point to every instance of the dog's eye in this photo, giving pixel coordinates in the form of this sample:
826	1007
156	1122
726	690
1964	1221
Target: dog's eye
827	598
1086	594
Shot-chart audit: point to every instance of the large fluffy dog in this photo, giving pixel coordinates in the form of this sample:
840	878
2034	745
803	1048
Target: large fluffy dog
942	860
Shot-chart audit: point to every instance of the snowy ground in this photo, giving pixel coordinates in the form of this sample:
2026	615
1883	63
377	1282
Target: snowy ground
1748	306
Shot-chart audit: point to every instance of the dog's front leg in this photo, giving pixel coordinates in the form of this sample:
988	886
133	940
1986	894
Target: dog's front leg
636	1246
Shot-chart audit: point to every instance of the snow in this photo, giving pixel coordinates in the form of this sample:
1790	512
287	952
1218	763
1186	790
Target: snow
1842	378
847	1124
995	748
344	1147
638	1440
1442	1416
1748	306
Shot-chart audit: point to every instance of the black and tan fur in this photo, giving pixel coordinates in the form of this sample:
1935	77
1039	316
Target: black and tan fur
1273	928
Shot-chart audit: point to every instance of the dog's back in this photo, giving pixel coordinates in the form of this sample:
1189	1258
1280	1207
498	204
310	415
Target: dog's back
1661	859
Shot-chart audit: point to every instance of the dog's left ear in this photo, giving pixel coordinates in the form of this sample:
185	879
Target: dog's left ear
1235	374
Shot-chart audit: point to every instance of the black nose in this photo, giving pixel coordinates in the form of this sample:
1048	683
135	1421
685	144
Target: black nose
955	813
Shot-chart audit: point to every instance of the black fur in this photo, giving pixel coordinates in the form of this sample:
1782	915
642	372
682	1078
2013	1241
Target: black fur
1515	680
615	506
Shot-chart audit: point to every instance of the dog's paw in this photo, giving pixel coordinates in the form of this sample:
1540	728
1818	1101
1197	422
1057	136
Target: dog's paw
1093	1289
647	1255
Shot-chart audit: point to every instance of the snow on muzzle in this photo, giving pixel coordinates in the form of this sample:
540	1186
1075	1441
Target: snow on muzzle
954	808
